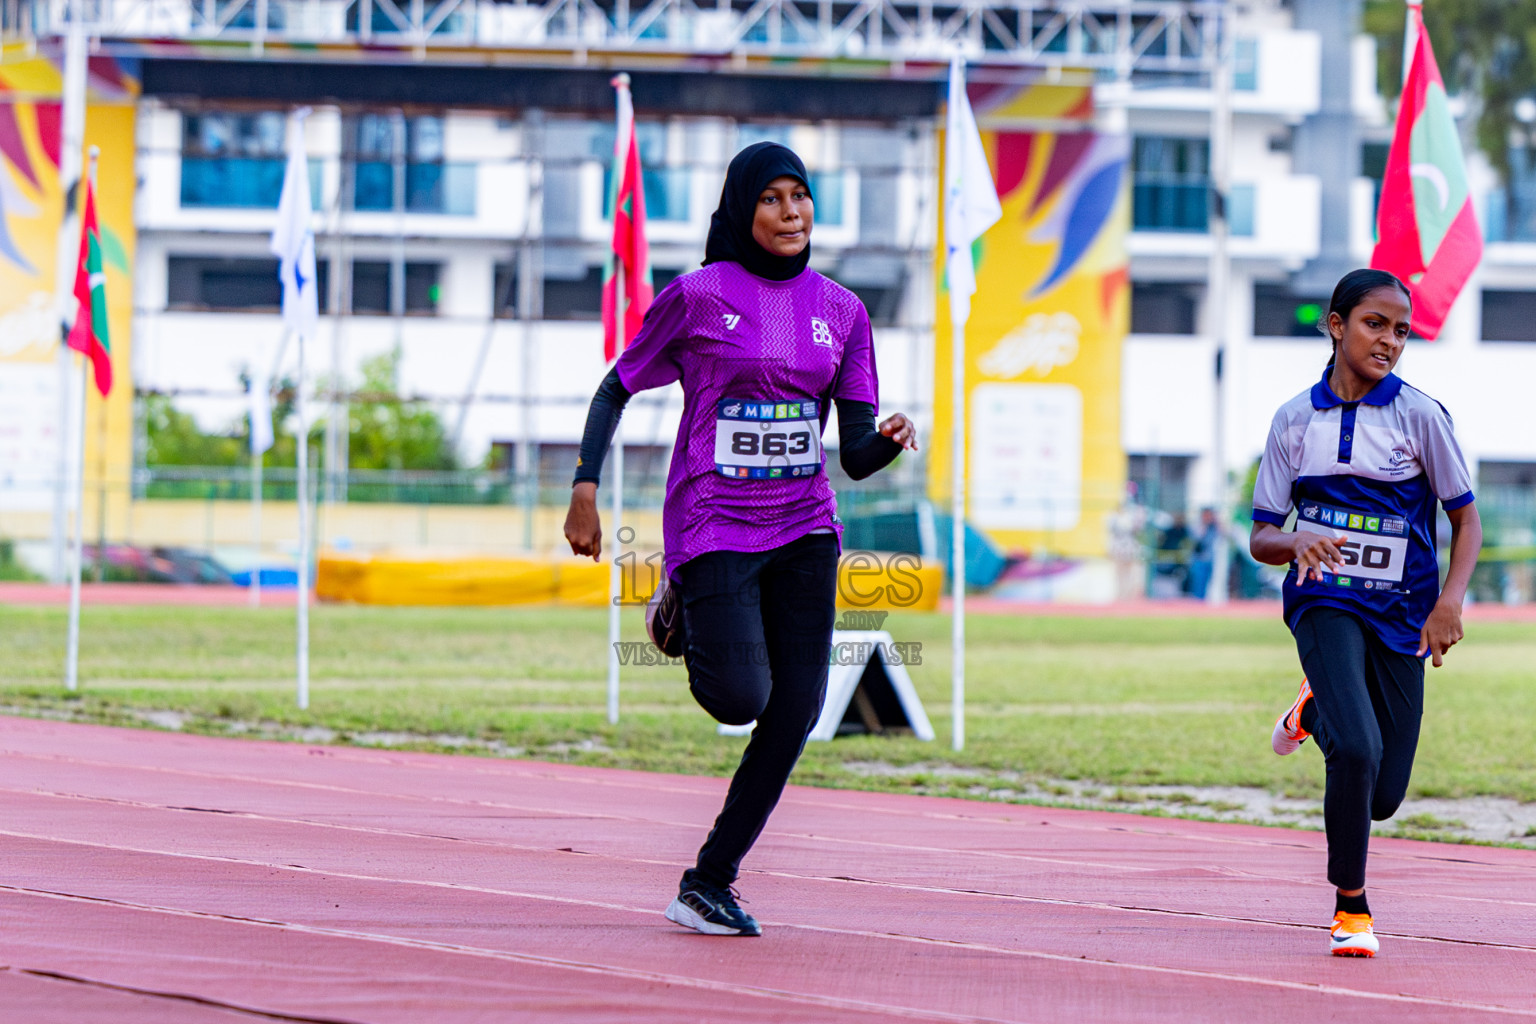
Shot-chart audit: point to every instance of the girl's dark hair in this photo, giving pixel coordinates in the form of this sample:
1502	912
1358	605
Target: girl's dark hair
1351	290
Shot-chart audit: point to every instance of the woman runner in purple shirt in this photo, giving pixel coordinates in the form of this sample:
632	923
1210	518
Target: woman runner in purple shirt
762	345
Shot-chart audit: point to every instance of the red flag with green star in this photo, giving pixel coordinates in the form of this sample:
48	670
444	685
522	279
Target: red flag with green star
89	334
626	203
1428	232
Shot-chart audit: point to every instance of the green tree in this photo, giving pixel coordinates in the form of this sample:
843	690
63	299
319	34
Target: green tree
384	430
1487	52
387	432
175	439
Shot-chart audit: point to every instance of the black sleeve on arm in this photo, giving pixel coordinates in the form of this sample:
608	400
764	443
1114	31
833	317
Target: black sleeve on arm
602	420
862	449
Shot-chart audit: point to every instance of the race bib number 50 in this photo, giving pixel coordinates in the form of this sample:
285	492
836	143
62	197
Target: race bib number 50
1374	550
767	440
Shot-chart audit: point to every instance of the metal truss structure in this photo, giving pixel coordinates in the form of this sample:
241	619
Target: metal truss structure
1109	36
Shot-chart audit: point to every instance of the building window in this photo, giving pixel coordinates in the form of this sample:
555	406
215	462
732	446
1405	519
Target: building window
1509	316
1162	481
431	185
1172	184
1373	165
1279	312
504	291
372	292
1165	307
236	160
573	293
1511	207
668	190
1245	65
879	280
231	284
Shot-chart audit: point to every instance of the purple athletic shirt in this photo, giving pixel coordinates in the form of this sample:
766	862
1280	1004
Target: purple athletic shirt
760	362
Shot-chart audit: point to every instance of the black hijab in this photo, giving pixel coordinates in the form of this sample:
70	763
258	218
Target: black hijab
730	229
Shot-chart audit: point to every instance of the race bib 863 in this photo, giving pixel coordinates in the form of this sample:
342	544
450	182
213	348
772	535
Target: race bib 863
767	439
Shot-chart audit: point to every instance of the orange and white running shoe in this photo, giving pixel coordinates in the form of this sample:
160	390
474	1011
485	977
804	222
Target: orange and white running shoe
1289	735
1352	935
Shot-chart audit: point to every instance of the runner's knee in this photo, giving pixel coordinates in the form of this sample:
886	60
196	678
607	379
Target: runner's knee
1384	805
733	694
1356	754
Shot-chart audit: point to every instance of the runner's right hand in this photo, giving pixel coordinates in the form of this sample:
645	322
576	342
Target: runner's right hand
1315	554
583	526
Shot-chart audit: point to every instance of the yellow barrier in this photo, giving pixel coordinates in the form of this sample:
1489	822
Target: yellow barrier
392	578
881	581
865	581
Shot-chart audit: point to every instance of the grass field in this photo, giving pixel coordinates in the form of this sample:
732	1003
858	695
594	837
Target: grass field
1108	702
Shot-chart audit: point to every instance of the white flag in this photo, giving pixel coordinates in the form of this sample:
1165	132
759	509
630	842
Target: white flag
293	242
970	197
261	412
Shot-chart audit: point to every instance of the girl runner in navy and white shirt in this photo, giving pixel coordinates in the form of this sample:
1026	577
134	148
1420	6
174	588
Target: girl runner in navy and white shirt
1362	459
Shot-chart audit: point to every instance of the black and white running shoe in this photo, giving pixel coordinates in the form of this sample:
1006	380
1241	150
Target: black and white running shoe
664	619
711	910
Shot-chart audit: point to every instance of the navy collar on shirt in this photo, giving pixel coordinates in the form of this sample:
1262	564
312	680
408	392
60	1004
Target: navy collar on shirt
1385	390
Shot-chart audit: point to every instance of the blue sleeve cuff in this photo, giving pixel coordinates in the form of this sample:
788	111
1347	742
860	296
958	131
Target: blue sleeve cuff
1264	515
1460	501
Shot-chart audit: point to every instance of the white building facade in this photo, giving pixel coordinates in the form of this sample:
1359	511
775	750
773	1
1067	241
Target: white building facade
467	237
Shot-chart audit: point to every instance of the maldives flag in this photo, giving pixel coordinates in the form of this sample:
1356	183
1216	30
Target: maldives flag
1428	233
89	334
626	201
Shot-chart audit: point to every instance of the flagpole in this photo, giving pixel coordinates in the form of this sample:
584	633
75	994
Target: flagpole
256	525
1410	37
303	499
970	208
957	516
72	655
616	474
615	577
71	143
1219	276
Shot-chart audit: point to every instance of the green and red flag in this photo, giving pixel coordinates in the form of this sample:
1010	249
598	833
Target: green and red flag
630	255
89	334
1428	233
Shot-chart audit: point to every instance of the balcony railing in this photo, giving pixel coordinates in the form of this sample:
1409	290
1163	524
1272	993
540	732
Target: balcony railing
1119	36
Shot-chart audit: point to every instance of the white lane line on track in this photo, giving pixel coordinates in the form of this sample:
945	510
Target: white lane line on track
838	879
808	795
562	963
831	1002
885	936
552	812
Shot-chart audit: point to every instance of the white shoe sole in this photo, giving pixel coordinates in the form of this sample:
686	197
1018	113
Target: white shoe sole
679	912
1355	945
1279	742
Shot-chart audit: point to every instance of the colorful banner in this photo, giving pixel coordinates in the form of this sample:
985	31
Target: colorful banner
31	209
1048	321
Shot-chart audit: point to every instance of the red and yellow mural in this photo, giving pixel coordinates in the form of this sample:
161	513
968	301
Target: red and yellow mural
31	210
1048	321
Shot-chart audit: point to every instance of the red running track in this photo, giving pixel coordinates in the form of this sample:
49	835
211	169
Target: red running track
154	877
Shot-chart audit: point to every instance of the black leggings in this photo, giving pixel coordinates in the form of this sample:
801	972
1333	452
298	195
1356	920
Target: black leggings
1366	707
758	629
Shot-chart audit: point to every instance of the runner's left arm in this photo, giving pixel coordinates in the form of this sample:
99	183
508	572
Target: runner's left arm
1449	478
861	448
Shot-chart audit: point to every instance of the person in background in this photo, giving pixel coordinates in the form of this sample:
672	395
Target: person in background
1202	556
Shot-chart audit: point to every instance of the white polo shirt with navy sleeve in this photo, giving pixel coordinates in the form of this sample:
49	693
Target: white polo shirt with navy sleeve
1371	471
